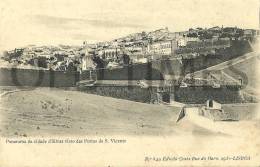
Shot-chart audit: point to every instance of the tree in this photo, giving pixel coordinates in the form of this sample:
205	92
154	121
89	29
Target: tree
42	62
71	67
205	35
100	63
126	59
194	35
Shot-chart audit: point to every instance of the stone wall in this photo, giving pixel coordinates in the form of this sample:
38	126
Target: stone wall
189	95
131	72
41	78
133	93
199	95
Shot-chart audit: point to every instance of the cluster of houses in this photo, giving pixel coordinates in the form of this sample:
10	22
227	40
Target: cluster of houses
60	57
139	48
159	44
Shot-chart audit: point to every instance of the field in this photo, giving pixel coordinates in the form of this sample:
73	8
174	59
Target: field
53	111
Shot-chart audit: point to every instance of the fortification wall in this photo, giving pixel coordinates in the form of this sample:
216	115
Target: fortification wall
33	77
131	72
133	93
189	95
199	95
155	70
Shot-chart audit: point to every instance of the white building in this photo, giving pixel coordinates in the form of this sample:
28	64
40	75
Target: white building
134	49
175	35
110	53
162	47
211	104
86	61
182	41
89	45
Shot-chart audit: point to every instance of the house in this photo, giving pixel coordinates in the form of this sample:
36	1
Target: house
158	34
183	41
89	45
86	60
213	105
111	53
135	50
87	63
175	35
162	47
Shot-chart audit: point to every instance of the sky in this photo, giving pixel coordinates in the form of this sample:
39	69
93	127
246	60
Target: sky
53	22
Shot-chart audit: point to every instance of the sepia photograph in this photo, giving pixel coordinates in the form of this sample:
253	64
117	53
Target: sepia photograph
168	82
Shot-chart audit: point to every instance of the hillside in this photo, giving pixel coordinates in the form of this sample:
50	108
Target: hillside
52	111
45	111
243	68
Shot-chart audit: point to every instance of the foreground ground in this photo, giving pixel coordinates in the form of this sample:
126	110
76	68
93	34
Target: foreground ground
45	111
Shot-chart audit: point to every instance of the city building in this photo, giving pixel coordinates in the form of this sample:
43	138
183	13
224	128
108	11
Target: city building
110	53
162	47
86	60
182	41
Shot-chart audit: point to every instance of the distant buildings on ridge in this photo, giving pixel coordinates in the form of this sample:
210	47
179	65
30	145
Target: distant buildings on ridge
138	48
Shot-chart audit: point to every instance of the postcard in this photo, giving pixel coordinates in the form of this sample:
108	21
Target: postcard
129	83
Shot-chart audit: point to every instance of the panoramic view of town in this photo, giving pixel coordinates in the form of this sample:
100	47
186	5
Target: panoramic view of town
135	48
169	82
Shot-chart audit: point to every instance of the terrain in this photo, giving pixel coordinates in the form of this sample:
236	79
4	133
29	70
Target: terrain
51	111
244	68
